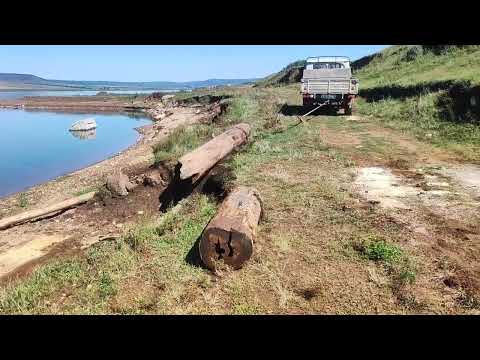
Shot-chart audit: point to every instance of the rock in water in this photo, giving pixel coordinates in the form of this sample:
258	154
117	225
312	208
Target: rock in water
84	125
84	134
119	184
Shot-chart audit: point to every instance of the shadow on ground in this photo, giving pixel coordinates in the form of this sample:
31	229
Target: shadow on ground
193	256
402	92
299	110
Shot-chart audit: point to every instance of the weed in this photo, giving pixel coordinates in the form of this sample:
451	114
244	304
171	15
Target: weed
106	286
244	309
181	141
23	200
87	190
396	261
379	250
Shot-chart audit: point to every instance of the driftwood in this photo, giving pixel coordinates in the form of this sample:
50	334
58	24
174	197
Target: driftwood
230	234
46	211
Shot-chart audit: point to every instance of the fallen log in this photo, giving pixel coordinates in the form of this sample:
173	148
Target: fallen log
192	170
230	234
199	161
46	211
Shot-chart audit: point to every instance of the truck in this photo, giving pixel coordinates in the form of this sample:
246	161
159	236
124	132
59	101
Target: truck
328	81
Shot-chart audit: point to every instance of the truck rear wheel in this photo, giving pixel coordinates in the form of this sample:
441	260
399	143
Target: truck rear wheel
348	108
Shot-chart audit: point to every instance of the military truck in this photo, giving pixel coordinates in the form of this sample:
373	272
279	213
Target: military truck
328	80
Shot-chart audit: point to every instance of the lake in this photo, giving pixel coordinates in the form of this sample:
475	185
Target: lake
10	95
37	146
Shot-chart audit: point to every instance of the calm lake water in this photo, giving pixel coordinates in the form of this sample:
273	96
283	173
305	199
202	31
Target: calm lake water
36	146
9	95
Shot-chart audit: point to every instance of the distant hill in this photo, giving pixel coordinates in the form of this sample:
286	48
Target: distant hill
32	82
290	74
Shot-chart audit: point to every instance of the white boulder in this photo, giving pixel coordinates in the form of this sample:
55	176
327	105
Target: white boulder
84	125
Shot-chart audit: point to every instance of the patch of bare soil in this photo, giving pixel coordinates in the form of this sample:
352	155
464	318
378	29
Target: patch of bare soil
442	215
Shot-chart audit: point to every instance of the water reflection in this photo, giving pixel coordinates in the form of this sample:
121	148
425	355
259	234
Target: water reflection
84	134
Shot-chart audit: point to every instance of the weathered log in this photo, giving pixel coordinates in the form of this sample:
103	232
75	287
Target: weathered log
199	161
193	169
39	213
230	234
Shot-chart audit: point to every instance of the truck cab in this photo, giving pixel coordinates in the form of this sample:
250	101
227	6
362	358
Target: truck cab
328	80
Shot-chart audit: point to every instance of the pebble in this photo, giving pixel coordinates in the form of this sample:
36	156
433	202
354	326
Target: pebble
140	212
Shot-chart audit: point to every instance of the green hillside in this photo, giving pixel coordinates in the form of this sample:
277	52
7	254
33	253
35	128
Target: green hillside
290	74
414	64
431	91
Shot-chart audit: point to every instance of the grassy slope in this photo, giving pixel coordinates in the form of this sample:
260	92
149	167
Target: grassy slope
288	75
405	94
391	67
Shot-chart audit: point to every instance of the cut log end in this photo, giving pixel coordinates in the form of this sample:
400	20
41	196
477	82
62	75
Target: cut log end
231	247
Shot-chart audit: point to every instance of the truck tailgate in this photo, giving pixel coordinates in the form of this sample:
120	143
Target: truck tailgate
326	86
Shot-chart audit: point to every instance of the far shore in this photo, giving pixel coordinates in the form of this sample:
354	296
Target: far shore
90	103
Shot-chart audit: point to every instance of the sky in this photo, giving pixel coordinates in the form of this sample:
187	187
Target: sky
162	62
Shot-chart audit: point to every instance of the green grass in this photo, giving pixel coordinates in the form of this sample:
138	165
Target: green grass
405	94
89	284
380	250
86	190
394	258
392	67
22	200
181	141
420	117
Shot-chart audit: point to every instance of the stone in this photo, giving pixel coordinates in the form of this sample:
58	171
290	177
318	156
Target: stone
119	184
84	125
167	97
153	177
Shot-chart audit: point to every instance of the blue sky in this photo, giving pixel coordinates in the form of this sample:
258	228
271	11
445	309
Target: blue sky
161	62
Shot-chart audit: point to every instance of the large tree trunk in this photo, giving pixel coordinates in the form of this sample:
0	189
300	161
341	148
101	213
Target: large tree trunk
230	234
201	160
46	211
193	169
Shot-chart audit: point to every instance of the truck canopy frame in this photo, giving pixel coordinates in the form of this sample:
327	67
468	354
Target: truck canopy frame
345	61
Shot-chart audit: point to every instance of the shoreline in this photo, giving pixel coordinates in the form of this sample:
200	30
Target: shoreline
139	138
8	202
137	156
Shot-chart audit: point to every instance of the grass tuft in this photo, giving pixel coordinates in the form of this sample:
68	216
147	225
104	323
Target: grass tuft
181	141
